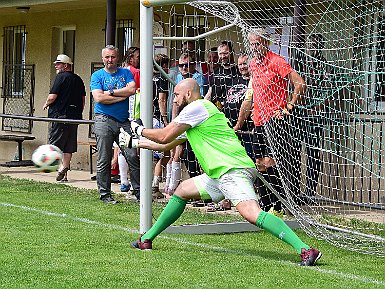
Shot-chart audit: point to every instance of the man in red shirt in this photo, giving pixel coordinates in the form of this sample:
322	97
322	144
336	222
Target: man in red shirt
271	75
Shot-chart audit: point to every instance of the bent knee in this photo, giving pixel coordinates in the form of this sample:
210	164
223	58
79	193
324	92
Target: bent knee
187	190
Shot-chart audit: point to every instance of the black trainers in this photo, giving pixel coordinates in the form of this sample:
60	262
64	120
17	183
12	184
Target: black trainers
61	174
115	179
108	199
136	193
145	245
309	257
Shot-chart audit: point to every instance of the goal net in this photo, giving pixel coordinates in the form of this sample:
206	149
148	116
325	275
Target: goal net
329	153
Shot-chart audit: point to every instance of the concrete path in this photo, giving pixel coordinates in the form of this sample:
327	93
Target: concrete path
80	179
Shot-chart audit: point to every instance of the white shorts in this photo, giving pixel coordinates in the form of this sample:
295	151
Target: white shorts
237	185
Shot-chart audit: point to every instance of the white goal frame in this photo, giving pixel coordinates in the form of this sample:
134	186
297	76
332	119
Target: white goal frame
146	91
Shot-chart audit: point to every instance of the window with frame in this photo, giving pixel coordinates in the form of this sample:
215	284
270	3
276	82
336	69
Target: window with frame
380	60
67	42
373	44
190	26
124	35
14	47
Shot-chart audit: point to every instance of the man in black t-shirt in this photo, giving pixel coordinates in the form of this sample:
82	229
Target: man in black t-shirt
223	77
240	121
65	100
160	88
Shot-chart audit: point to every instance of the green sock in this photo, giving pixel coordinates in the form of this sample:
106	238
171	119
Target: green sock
279	229
170	214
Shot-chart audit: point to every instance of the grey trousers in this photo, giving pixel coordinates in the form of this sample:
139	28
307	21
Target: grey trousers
107	131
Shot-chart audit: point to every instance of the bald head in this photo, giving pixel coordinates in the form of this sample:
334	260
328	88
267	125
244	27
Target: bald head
185	92
189	85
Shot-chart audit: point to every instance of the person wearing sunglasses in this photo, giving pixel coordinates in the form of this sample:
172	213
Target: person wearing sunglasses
187	69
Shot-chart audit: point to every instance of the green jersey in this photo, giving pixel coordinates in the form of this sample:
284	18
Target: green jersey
213	141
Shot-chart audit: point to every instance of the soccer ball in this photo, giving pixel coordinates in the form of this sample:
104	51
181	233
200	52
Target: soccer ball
47	158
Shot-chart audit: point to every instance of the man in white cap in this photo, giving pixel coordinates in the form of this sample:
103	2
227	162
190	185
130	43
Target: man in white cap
66	99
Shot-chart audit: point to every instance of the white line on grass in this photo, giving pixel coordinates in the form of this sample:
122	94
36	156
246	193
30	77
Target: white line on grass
201	245
83	220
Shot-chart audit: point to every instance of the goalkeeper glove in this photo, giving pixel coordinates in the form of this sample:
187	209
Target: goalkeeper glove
137	127
126	140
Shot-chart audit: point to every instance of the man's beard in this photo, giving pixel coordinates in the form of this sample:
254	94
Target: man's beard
182	105
226	62
245	74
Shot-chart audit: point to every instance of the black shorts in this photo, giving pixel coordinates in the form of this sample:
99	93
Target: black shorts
261	146
284	135
64	136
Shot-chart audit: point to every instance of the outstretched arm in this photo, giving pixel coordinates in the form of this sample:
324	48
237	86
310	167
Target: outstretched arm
165	135
151	145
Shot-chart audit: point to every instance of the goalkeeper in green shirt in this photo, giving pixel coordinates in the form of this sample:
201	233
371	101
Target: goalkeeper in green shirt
228	171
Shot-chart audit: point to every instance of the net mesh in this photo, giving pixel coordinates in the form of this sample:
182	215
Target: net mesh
330	151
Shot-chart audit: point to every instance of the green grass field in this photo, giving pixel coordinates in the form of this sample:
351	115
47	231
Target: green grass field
55	236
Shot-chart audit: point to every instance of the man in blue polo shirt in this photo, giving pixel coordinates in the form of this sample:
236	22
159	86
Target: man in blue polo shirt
111	88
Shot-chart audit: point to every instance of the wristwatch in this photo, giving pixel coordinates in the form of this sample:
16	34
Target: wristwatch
111	91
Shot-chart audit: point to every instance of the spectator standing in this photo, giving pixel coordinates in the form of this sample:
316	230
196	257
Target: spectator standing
111	87
318	88
212	61
234	107
131	62
66	99
160	90
222	78
270	76
160	87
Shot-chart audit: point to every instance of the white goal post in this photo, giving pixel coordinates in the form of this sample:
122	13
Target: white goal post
146	73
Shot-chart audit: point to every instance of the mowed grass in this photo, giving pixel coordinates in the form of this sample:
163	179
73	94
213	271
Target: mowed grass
55	236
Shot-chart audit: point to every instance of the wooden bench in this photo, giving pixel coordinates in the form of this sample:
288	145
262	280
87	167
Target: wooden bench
93	150
19	139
